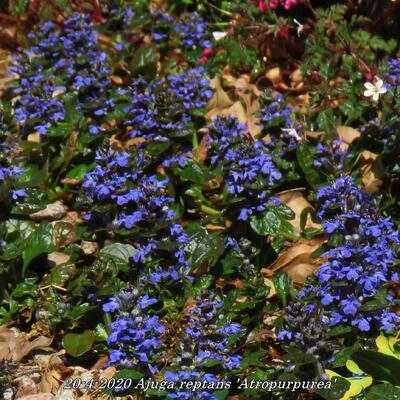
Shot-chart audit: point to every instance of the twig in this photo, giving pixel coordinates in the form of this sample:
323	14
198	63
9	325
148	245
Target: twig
53	286
28	371
7	18
219	9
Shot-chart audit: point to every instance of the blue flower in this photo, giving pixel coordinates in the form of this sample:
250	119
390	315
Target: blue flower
393	76
160	109
205	340
250	173
136	333
70	55
9	172
276	111
359	265
191	30
140	203
38	108
331	156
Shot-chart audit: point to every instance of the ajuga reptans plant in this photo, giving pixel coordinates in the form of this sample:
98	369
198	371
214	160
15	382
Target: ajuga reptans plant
357	267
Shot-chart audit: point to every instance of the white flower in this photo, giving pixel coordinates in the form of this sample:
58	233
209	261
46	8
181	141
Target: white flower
293	133
300	26
219	35
374	90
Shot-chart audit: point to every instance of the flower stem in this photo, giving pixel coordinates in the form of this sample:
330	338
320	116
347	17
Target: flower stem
209	210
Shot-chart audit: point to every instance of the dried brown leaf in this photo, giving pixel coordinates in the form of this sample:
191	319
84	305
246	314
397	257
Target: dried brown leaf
125	144
222	283
38	396
73	218
63	233
57	258
27	347
101	362
53	211
243	107
235	110
116	80
51	380
71	182
261	335
296	77
14	347
26	386
5	60
220	99
348	134
249	94
52	371
372	170
272	291
243	86
34	138
108	373
274	75
212	227
315	134
159	5
201	151
295	200
296	261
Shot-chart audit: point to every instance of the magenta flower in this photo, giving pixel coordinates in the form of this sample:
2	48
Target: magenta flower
260	4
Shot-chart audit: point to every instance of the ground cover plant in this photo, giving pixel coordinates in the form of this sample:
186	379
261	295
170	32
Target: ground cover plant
199	199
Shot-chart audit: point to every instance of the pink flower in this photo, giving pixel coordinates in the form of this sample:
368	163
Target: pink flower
204	57
283	31
288	4
260	4
273	4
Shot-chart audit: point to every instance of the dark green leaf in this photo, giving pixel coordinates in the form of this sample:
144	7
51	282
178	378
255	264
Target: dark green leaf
33	201
253	359
61	274
79	171
383	392
119	253
303	217
191	172
129	374
77	344
26	288
79	311
298	357
288	231
34	175
305	157
100	333
339	386
231	265
62	129
204	248
144	62
266	224
19	6
282	284
283	211
345	354
203	282
380	366
221	394
39	242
